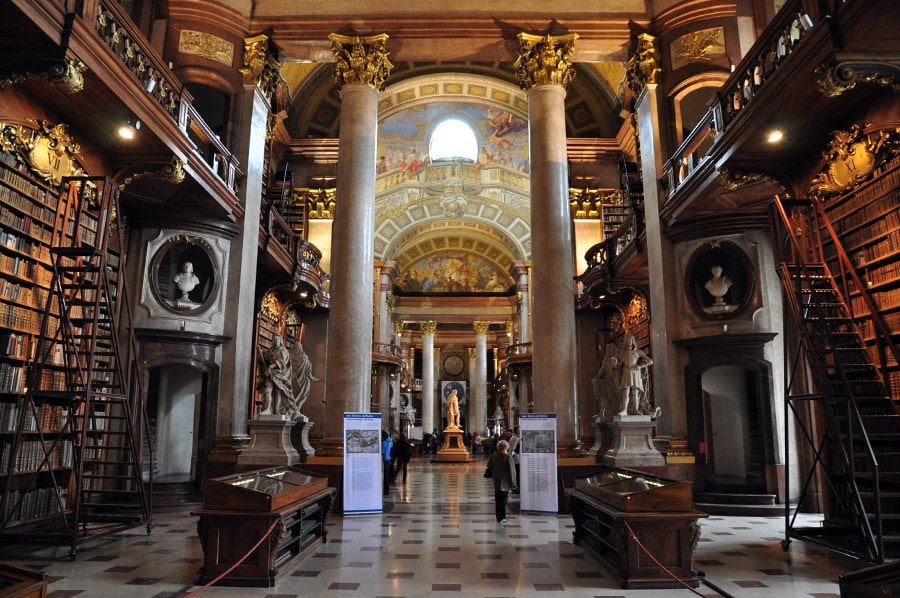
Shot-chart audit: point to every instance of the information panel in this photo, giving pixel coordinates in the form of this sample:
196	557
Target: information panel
537	462
362	463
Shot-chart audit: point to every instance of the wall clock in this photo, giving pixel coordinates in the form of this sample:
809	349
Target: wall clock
454	365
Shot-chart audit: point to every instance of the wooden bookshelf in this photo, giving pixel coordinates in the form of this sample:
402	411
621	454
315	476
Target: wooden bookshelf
867	221
36	454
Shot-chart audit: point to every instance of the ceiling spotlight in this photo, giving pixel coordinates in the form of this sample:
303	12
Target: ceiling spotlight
128	130
774	136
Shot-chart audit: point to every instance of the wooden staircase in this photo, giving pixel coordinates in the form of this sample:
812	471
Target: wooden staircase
86	317
853	438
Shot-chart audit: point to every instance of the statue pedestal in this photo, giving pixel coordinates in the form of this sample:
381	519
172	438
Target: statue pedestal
454	449
271	444
632	444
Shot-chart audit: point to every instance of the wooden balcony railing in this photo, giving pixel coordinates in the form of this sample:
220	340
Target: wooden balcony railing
772	48
123	37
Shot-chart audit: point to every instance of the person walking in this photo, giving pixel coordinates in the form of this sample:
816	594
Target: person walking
387	445
503	474
402	454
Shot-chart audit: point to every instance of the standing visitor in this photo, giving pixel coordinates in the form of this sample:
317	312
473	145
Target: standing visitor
387	444
402	454
504	477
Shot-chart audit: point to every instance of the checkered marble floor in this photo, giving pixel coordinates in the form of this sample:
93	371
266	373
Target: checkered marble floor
438	537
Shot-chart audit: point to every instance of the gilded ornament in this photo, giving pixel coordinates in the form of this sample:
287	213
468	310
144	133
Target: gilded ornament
256	49
852	157
643	67
173	173
545	60
63	75
49	151
206	45
697	46
838	78
320	202
269	306
733	179
361	60
635	312
588	203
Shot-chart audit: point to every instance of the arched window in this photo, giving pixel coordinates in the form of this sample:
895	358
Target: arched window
453	139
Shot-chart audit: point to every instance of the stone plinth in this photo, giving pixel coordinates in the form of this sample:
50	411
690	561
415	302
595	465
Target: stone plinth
454	449
632	444
300	437
598	437
271	445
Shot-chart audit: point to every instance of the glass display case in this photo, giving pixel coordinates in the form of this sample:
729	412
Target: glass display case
633	491
285	507
261	489
641	527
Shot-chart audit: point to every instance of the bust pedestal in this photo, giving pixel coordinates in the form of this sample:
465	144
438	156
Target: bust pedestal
453	449
271	444
632	444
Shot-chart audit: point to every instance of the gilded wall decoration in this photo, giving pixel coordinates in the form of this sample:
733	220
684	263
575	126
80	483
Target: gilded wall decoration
49	150
206	45
852	157
698	46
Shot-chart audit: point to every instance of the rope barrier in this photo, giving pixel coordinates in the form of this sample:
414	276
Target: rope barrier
241	560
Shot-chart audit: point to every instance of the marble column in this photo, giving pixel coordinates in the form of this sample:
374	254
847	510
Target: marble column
473	423
428	329
544	68
350	321
519	271
436	376
235	383
479	374
661	260
387	273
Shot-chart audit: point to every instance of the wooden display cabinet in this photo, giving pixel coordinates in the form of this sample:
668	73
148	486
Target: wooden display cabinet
285	506
622	515
22	582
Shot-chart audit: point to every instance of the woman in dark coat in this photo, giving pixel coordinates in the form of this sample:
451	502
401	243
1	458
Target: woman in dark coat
504	477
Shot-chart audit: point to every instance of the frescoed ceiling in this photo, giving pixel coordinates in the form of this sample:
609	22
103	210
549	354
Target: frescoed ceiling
478	208
425	209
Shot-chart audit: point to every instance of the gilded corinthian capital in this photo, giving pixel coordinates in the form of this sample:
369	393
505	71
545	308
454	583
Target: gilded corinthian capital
361	59
545	60
481	327
428	327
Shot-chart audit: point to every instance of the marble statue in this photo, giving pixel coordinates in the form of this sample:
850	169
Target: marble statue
606	385
301	382
453	410
634	367
276	379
